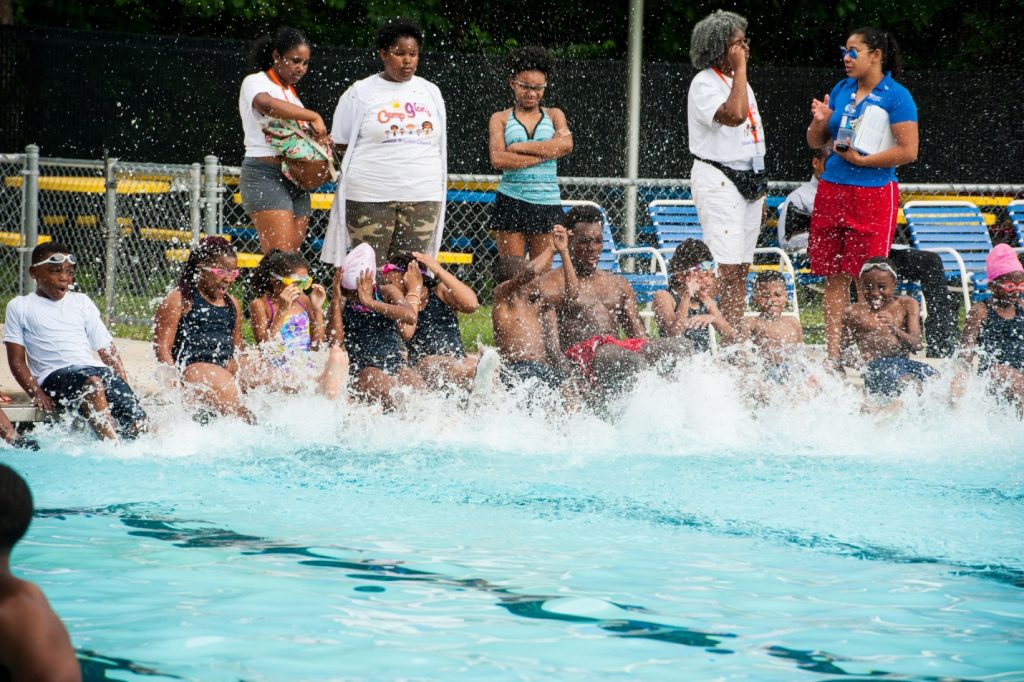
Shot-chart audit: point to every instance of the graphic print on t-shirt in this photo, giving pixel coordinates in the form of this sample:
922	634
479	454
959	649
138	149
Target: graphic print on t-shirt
404	122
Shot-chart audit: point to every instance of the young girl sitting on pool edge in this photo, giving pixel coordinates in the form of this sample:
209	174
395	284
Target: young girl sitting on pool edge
288	324
198	330
368	317
994	331
688	308
433	341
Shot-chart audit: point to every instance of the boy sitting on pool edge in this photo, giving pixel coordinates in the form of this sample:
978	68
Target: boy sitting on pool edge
50	337
886	328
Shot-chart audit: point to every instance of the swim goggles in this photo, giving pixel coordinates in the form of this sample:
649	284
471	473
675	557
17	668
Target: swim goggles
704	266
1010	287
303	283
884	267
223	272
59	259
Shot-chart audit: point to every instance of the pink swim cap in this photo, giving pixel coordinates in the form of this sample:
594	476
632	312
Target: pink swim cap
1002	260
358	261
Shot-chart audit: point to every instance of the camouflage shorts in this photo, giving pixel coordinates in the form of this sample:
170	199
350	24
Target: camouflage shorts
392	227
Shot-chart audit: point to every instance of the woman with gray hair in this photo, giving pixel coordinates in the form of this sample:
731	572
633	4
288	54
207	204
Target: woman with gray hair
727	181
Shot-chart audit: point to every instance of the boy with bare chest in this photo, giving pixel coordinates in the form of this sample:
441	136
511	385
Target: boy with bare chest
524	329
593	307
886	329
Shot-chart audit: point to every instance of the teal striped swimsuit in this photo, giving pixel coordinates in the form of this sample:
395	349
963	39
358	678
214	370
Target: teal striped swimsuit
536	184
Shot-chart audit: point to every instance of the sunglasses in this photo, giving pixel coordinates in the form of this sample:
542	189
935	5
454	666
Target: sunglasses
303	283
1010	287
59	259
223	272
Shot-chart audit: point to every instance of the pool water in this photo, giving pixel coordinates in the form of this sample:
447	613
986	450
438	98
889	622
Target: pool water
688	538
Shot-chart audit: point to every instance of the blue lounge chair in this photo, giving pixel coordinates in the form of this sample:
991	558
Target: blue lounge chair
1015	209
956	231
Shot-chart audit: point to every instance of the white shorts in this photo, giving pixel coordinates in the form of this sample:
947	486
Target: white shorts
731	224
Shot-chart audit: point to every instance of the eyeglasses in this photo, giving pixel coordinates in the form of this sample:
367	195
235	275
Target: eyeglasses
884	267
851	53
303	283
59	259
1010	287
530	88
297	61
223	272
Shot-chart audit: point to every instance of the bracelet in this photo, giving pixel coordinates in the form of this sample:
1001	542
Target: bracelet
412	296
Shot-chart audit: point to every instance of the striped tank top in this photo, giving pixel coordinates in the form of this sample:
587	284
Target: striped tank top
536	184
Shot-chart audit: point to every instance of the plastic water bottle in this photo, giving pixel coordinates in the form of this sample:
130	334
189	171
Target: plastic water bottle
844	138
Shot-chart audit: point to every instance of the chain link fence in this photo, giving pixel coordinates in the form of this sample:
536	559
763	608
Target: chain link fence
130	223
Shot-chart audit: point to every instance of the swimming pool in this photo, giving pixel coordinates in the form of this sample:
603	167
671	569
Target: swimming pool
688	539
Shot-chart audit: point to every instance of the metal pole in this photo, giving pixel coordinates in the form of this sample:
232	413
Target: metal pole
195	191
635	49
29	215
211	195
109	167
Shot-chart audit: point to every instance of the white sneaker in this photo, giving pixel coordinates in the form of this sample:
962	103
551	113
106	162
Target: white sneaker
486	371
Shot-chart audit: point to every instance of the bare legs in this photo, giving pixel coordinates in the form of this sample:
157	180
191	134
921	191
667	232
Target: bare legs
280	230
97	409
376	385
836	299
216	388
517	244
732	287
332	381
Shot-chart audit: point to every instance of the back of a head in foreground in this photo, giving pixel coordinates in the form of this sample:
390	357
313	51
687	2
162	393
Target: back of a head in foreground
15	508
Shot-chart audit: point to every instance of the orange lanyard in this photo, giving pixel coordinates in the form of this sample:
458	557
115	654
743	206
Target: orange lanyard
291	88
750	110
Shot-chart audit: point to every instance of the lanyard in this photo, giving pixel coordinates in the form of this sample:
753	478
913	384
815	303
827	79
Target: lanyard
750	110
291	88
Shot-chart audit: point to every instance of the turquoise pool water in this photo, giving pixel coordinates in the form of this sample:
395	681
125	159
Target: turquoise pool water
688	539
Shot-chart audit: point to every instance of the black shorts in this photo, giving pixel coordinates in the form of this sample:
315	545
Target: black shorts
65	387
513	215
521	371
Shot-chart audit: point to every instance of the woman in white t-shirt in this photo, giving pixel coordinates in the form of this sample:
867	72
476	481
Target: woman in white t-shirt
392	130
727	142
278	207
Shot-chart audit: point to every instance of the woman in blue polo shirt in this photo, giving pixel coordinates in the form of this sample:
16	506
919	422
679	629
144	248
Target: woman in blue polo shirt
858	199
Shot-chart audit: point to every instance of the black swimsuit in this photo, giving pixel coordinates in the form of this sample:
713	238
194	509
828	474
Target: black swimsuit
206	333
1001	341
700	336
371	340
437	332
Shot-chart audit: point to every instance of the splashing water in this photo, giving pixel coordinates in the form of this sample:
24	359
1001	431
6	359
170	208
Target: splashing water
476	538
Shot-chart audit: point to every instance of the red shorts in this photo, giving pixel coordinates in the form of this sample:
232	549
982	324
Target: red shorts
851	224
583	352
